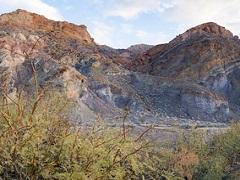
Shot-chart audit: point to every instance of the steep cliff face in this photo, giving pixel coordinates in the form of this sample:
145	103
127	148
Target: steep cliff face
207	56
193	78
197	50
31	43
63	56
208	29
22	19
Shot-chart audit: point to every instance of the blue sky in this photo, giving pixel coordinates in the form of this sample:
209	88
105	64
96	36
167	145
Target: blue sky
121	23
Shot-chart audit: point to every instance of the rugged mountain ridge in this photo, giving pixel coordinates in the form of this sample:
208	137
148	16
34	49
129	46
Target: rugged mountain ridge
206	56
21	19
191	79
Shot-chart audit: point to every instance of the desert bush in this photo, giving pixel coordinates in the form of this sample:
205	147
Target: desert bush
196	156
220	158
37	142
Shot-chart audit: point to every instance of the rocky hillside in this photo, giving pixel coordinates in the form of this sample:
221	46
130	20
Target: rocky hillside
206	56
192	79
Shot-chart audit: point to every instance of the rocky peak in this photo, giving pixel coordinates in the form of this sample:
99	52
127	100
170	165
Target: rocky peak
31	21
196	79
139	48
210	29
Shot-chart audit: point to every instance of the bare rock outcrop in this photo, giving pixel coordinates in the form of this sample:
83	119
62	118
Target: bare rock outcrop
193	78
31	21
205	57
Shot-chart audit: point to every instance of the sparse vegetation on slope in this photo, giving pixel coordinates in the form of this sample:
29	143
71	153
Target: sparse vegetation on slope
192	78
220	158
37	142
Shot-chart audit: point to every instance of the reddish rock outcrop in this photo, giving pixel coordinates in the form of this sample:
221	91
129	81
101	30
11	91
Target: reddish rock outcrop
31	21
192	54
194	77
211	29
204	59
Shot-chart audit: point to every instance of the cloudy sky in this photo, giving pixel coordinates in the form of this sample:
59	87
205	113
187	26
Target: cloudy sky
121	23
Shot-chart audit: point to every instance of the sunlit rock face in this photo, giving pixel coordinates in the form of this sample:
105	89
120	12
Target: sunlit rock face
194	77
204	58
34	22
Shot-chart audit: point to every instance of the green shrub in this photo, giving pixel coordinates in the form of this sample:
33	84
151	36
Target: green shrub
37	143
221	157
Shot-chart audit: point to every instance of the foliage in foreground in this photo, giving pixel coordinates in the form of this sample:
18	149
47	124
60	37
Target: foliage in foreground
37	142
220	158
209	158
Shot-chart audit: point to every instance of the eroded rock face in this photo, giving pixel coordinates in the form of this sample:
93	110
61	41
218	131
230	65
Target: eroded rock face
195	77
211	29
205	107
26	20
206	56
124	57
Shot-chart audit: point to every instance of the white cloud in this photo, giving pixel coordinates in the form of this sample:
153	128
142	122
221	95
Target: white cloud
36	6
126	28
188	13
128	9
102	33
124	35
141	34
159	37
152	38
183	13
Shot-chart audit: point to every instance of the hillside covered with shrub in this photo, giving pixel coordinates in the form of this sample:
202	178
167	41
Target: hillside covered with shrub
37	141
